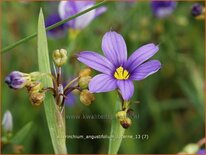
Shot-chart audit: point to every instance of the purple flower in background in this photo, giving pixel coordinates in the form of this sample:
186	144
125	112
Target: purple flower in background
57	32
201	151
71	7
17	80
197	9
163	9
70	99
117	70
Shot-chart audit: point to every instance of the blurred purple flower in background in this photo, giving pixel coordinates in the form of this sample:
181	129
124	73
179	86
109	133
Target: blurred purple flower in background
117	71
162	9
71	7
198	11
201	151
57	32
70	100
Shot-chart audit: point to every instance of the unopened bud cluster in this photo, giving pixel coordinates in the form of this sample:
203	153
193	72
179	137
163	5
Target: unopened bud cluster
19	80
86	97
60	57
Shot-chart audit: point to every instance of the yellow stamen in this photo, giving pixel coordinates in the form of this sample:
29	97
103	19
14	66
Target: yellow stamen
121	73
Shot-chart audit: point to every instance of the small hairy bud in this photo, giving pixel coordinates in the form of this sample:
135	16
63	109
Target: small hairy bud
84	81
126	122
86	97
60	57
85	72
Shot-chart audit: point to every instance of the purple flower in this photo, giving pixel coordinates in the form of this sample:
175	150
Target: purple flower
197	9
201	151
70	99
57	32
71	7
163	9
17	80
117	70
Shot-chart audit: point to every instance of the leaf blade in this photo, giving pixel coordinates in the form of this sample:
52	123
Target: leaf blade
54	118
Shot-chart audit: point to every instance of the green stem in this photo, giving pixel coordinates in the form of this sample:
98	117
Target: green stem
4	50
117	131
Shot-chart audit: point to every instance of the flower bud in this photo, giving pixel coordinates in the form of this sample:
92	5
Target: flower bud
191	148
7	121
86	97
34	87
17	80
60	57
126	122
84	81
121	115
37	98
85	72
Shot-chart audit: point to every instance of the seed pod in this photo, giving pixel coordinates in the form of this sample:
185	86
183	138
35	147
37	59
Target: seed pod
60	57
86	97
85	72
37	98
84	81
126	122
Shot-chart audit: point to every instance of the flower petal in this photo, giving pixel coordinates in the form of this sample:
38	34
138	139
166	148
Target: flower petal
114	48
141	55
84	20
145	70
102	83
126	88
96	61
100	11
67	9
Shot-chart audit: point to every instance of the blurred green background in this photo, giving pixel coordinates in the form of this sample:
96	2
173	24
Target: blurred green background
171	108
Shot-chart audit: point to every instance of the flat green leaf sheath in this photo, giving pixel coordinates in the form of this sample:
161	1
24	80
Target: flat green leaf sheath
117	131
54	118
21	135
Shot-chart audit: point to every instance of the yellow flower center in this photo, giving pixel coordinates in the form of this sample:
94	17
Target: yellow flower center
121	73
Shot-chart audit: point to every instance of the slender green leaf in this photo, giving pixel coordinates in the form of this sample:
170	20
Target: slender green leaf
54	118
22	134
117	131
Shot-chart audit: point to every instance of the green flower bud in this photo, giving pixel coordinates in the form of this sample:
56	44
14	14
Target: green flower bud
60	57
126	122
85	72
121	115
191	148
84	81
37	98
86	97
